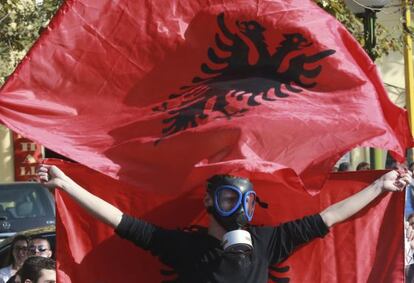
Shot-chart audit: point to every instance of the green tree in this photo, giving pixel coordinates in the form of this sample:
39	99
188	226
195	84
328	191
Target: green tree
386	42
21	22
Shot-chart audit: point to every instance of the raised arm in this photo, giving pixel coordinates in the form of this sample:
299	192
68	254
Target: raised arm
52	177
392	181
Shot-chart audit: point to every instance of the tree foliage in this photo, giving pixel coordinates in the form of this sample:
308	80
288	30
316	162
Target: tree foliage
21	22
386	41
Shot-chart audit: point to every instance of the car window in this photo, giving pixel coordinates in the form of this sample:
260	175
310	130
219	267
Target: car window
24	206
24	202
4	254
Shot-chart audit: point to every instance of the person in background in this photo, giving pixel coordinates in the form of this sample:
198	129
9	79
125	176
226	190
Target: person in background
18	254
39	246
411	167
363	166
37	269
409	248
344	166
409	231
395	165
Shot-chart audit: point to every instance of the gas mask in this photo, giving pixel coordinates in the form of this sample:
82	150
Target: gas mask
233	206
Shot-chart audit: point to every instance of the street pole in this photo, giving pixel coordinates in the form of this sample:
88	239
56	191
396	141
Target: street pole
408	63
367	9
408	66
369	19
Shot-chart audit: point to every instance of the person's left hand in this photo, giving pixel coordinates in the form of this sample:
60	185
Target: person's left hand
395	180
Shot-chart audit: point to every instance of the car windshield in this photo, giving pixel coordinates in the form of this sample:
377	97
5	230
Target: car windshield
23	206
21	203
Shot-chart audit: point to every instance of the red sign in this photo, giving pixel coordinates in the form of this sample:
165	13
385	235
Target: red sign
26	156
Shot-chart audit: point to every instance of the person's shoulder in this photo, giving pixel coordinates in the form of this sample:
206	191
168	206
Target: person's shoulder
260	229
5	273
5	270
268	228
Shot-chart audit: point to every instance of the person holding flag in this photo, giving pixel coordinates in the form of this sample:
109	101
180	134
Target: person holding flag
229	250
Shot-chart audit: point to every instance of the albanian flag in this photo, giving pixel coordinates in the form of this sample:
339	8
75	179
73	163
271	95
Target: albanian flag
368	248
162	94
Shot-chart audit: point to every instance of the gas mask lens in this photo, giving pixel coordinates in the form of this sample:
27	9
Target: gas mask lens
228	199
249	204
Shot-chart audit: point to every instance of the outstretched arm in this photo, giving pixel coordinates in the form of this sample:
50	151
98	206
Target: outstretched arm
53	177
392	181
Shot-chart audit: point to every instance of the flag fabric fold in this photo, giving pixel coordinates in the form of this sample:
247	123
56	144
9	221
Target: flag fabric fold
190	88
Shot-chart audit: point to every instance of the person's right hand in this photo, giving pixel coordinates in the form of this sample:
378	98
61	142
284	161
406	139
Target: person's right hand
51	176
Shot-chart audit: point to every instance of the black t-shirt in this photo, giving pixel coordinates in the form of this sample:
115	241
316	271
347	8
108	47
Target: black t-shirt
197	257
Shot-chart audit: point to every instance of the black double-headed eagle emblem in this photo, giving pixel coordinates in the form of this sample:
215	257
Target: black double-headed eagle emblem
232	77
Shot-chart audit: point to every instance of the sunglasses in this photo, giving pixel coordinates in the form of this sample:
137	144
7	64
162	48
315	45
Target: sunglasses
40	249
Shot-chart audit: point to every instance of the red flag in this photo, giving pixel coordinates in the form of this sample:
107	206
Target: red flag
135	89
366	248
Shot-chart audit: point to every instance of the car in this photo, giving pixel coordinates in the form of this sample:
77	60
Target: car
46	232
24	205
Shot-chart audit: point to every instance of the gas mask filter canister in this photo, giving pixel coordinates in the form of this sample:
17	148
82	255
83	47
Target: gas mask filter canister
237	241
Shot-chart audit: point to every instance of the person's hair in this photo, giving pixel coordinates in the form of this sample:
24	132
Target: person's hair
362	165
40	238
16	239
396	165
33	266
344	166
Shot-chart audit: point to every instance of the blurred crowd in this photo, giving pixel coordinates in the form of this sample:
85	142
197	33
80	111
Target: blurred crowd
30	261
346	166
